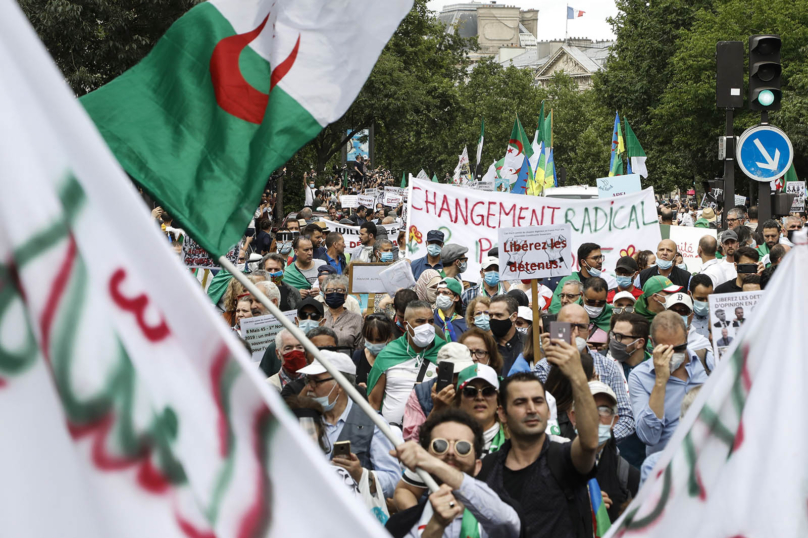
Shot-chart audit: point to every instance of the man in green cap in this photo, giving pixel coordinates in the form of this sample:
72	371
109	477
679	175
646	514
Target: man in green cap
654	294
449	320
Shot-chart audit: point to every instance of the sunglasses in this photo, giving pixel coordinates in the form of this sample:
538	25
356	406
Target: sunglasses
472	392
310	315
623	310
441	446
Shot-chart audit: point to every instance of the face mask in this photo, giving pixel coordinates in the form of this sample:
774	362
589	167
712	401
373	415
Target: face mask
687	323
593	311
677	360
492	278
623	281
522	330
580	343
604	433
664	264
323	400
387	257
462	267
682	266
241	267
294	361
423	335
334	300
276	277
481	322
444	302
434	250
500	327
701	308
619	351
374	349
308	324
285	248
593	271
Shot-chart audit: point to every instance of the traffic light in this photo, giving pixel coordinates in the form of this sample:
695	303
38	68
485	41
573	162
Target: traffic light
764	72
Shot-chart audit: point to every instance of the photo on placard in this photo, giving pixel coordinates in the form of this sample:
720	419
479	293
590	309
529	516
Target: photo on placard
728	314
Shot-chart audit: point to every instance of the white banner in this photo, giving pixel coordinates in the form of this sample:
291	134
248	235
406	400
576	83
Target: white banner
535	252
349	201
687	242
621	226
351	233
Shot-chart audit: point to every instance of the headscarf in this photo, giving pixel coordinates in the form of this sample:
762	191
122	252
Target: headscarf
423	283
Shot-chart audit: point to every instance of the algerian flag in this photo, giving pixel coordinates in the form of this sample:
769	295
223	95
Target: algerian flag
538	135
462	168
518	149
228	95
403	179
491	174
735	463
128	408
618	148
635	153
480	145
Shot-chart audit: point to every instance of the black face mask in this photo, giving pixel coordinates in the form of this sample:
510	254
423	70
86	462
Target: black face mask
500	327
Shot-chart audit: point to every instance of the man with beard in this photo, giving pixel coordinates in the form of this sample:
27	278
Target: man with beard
743	256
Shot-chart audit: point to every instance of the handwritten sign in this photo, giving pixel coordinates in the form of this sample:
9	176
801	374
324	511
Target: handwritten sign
366	200
740	200
260	332
365	278
195	257
612	187
348	202
371	192
535	252
392	200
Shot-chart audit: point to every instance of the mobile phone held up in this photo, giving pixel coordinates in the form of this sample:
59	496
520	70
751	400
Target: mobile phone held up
561	330
343	449
747	268
445	375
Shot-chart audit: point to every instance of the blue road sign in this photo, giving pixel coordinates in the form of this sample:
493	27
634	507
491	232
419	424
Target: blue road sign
764	153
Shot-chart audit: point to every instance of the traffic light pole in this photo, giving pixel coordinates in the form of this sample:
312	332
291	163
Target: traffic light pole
729	170
764	189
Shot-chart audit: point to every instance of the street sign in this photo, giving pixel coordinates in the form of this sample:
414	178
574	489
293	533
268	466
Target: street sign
764	153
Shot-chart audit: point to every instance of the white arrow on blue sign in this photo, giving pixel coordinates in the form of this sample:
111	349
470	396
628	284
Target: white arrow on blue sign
764	153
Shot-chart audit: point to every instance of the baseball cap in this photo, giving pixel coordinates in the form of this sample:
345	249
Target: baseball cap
599	387
679	298
326	269
457	354
477	371
657	284
452	252
314	303
452	284
525	313
728	235
340	361
624	295
627	263
708	214
434	235
489	261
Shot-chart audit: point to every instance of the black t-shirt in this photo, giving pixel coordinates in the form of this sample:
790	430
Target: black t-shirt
730	286
514	481
362	365
678	276
262	242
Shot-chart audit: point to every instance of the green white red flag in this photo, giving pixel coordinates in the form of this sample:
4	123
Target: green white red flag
128	408
735	467
230	93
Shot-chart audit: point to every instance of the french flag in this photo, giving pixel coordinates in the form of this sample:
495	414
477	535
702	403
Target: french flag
573	13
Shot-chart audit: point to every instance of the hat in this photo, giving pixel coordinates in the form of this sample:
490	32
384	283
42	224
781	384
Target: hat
525	313
434	235
452	252
679	298
708	214
457	354
340	361
477	371
628	263
659	283
729	235
314	303
321	224
326	269
489	261
624	295
494	252
452	284
347	221
599	387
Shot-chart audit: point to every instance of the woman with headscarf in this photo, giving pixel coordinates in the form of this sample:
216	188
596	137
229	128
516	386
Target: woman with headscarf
427	286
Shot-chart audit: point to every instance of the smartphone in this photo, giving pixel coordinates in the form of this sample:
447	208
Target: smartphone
561	330
342	448
747	268
445	375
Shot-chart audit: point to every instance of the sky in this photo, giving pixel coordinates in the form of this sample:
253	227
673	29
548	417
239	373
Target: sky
592	25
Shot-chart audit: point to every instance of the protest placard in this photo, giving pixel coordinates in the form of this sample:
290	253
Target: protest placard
395	191
365	278
260	331
687	242
196	257
371	192
740	200
351	233
611	187
705	202
487	186
621	226
348	202
535	252
391	200
397	276
798	188
728	313
366	200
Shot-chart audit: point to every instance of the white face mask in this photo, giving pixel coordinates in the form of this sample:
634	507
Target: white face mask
604	432
423	335
593	311
676	361
580	343
444	302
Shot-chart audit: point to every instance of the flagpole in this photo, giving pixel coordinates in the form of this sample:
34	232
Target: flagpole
566	23
353	394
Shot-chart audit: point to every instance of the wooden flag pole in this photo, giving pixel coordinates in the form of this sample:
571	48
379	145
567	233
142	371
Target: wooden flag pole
534	291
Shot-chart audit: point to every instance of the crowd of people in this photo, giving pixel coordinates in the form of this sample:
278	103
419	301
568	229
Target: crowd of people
514	435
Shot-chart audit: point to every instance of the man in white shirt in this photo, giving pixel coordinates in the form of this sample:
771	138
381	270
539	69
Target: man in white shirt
710	265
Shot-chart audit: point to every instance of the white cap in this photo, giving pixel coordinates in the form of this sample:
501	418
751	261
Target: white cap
340	361
457	354
624	295
599	387
679	298
489	261
525	313
478	371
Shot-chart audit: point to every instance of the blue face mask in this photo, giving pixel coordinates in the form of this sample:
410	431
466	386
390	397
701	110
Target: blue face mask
482	322
682	266
462	267
687	323
664	264
593	271
623	281
433	249
323	400
374	349
308	324
387	257
492	278
701	308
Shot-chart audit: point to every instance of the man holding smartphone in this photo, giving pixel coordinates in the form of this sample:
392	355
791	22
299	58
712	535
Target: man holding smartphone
747	264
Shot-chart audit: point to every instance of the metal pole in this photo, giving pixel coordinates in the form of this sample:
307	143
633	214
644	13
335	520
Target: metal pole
764	189
729	171
353	394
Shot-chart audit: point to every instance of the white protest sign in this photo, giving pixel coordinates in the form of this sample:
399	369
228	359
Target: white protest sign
260	331
371	192
798	188
391	200
611	187
351	233
397	276
487	186
740	200
535	252
728	313
621	226
195	257
347	202
366	200
365	278
687	242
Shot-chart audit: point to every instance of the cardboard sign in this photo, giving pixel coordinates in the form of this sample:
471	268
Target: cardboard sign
687	242
611	187
348	202
728	313
366	200
535	252
365	278
260	332
195	257
798	188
